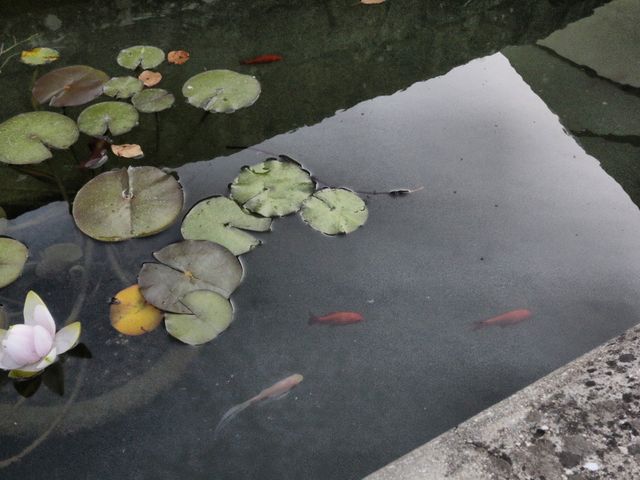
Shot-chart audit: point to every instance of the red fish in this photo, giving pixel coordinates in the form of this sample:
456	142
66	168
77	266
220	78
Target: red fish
506	319
268	58
336	318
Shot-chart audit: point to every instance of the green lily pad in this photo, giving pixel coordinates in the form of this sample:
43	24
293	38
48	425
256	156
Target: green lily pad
221	91
13	255
273	188
117	117
211	314
39	56
153	100
24	138
188	266
143	56
221	220
123	87
3	221
69	86
56	260
128	203
334	211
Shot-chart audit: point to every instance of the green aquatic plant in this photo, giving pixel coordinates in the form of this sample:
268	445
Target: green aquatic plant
39	56
153	100
13	256
221	91
334	211
128	203
116	117
5	56
185	267
221	220
122	87
273	188
26	138
69	86
143	56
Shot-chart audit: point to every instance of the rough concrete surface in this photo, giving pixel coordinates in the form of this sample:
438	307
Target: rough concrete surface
580	422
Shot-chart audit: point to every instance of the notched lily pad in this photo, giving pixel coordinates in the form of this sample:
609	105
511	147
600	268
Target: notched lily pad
25	138
122	87
131	314
153	100
144	56
39	56
334	211
13	255
117	117
185	267
69	86
273	188
221	220
128	203
221	91
210	315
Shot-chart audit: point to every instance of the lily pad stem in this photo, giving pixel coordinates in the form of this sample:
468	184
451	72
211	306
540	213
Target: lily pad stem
56	176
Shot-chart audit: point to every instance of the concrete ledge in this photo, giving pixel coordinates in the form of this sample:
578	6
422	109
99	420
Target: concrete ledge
579	422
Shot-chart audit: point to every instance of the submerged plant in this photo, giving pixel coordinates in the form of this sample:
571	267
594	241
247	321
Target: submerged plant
27	349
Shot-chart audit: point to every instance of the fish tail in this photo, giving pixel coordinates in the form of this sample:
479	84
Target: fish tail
312	319
479	325
230	415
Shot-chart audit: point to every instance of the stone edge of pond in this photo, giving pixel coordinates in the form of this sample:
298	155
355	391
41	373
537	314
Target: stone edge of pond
581	421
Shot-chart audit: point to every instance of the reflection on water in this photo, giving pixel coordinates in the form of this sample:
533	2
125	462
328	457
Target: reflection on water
513	216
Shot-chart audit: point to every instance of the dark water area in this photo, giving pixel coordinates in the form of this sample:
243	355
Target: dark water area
514	214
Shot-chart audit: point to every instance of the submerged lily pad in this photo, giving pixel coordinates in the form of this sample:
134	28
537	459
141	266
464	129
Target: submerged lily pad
122	87
131	314
211	314
24	138
69	86
153	100
222	91
56	260
143	56
334	211
273	188
13	255
117	117
221	220
39	56
127	203
188	266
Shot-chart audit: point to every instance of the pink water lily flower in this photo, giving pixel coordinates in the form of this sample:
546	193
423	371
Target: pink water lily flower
29	348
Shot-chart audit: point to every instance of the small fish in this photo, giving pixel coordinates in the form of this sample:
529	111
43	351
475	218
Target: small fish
336	318
506	319
274	392
268	58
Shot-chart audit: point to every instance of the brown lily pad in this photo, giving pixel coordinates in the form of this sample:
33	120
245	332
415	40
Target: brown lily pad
69	86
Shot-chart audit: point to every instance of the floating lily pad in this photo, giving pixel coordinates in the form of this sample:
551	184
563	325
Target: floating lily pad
273	188
122	87
39	56
128	203
56	260
117	117
188	266
69	86
13	256
140	56
221	220
334	211
211	314
221	91
24	138
131	314
153	100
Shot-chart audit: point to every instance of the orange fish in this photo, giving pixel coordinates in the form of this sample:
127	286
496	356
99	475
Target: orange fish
336	318
268	58
506	319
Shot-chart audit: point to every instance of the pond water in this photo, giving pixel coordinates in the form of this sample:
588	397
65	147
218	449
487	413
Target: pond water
510	213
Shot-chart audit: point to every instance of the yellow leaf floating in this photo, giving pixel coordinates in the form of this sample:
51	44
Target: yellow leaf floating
131	314
39	56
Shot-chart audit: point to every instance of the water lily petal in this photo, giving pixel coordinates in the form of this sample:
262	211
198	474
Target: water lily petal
42	341
41	364
18	344
38	316
67	338
6	362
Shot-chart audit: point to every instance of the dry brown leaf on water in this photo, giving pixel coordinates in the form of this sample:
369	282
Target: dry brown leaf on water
371	2
150	78
127	150
177	57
